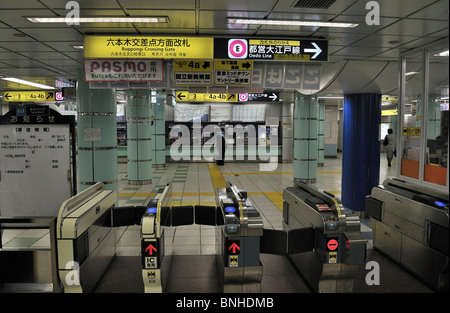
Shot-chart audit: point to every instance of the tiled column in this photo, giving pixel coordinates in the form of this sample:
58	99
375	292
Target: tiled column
97	136
139	137
159	131
321	134
305	138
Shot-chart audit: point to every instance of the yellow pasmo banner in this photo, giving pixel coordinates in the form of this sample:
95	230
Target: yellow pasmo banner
148	47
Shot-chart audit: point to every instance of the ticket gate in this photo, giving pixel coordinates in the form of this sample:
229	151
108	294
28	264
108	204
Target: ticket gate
324	244
241	232
86	242
238	265
410	225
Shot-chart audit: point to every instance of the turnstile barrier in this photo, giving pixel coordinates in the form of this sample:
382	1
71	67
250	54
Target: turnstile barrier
410	224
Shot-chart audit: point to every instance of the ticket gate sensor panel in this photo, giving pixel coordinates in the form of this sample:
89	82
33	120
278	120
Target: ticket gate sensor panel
85	238
325	245
410	224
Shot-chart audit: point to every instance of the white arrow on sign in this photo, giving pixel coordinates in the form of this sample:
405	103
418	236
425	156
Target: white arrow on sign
317	50
274	97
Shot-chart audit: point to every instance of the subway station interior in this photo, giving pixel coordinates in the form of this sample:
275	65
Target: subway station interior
203	146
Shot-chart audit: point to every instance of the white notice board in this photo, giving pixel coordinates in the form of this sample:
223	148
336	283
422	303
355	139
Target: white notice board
34	169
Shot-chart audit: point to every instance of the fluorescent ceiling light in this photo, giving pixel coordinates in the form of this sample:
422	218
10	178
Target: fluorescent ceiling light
112	19
28	83
78	47
442	54
410	73
249	21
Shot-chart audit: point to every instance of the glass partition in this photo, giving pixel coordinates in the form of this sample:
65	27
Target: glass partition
412	116
424	90
436	157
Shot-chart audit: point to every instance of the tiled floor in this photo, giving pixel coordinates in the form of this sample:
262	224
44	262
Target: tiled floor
192	183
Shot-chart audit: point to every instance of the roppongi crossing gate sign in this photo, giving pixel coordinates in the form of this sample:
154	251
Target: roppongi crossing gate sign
137	47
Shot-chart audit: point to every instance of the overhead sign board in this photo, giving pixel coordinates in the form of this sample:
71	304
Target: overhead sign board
179	47
271	49
144	47
233	72
264	97
205	97
192	72
112	70
28	96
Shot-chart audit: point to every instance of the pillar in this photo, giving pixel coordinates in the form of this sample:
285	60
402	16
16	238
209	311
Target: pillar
287	124
361	149
96	136
305	138
321	134
139	137
159	131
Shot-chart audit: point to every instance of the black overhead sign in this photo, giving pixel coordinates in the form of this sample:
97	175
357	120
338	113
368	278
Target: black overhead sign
266	96
271	49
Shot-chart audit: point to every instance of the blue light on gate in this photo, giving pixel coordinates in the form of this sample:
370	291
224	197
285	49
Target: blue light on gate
230	209
440	204
152	210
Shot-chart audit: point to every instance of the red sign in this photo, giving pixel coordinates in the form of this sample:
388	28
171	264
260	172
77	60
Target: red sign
233	247
332	244
150	249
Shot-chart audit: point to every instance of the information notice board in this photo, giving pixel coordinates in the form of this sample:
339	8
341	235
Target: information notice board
35	163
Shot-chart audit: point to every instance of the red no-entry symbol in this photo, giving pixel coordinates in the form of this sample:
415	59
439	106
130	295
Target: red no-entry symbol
332	244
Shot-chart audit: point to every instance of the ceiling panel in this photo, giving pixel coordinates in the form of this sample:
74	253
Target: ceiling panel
414	27
53	33
240	5
390	8
362	52
336	8
216	19
378	40
165	31
158	4
47	49
178	18
84	4
25	46
87	29
43	55
9	34
436	11
12	4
